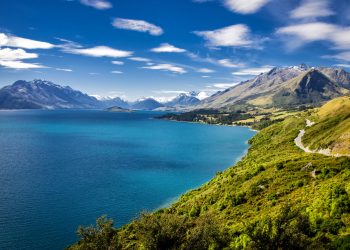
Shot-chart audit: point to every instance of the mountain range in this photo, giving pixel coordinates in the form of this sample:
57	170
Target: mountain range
285	86
280	87
40	94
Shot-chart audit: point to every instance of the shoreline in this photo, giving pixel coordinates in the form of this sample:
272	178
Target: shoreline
171	201
213	124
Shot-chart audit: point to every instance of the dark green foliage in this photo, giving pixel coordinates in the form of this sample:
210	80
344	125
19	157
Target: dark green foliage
162	231
290	230
208	116
279	166
238	199
254	172
264	123
343	243
99	237
195	211
171	231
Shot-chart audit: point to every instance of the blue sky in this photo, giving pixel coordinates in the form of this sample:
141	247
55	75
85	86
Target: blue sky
159	48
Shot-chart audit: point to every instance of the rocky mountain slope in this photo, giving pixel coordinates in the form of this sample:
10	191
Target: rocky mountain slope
311	87
286	86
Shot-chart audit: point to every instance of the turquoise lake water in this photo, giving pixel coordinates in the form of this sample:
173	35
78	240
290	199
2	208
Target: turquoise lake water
62	169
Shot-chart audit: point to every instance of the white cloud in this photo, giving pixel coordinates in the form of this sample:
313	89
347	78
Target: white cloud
204	94
20	65
299	34
168	95
253	71
341	38
224	85
174	93
8	54
229	64
167	67
205	76
137	25
116	72
170	91
62	69
3	39
118	62
312	9
167	48
309	32
344	56
205	70
99	51
245	6
343	65
97	4
20	42
232	36
163	99
68	44
139	59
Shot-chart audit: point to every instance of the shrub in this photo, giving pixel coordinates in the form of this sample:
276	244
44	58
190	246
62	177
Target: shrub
99	237
279	166
160	231
238	199
195	211
289	230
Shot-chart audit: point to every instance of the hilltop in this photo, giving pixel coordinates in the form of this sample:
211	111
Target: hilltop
276	197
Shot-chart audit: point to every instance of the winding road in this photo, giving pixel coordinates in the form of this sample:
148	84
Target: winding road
299	144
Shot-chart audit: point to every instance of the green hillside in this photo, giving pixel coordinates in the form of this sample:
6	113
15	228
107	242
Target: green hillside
276	197
333	119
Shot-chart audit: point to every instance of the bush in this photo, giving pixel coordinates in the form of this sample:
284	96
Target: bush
99	237
239	199
280	166
160	231
289	230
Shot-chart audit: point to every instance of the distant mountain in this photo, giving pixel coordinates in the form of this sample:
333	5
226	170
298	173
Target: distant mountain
117	109
146	104
114	102
39	94
184	99
282	87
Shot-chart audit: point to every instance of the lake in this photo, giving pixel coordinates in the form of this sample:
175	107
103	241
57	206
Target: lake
64	168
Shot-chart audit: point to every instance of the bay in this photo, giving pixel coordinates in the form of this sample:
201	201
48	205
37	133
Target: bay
64	168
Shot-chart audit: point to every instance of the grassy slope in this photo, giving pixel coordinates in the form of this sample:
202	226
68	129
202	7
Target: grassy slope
247	205
334	120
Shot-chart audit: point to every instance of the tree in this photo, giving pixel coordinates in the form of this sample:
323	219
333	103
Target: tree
99	237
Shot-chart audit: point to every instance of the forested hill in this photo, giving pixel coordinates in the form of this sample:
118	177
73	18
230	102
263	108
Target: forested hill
276	197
